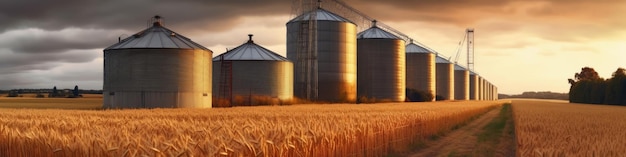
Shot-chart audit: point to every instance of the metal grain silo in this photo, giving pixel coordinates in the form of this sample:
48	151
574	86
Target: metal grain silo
330	74
481	88
485	89
251	75
420	69
473	86
445	78
157	68
381	65
490	91
461	83
495	93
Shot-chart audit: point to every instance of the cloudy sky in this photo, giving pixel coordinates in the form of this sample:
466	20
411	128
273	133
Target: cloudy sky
520	45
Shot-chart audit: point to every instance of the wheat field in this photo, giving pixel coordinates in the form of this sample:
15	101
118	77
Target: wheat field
555	128
298	130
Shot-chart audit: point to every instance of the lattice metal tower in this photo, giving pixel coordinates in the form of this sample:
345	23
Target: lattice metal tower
470	48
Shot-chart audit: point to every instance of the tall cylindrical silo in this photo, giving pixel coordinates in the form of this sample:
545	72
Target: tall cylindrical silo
157	68
445	78
326	72
496	95
481	88
485	89
473	86
420	69
381	65
461	83
489	91
252	75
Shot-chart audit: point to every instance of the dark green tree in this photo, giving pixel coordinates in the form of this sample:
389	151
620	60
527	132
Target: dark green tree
587	87
75	92
616	88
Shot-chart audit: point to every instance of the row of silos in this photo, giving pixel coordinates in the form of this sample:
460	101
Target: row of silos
159	68
384	69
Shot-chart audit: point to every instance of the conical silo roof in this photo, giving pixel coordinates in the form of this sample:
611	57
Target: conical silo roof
440	59
320	15
473	73
156	36
376	33
458	67
250	51
414	48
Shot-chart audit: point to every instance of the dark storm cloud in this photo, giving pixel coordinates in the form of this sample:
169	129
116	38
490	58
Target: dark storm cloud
21	62
125	14
40	41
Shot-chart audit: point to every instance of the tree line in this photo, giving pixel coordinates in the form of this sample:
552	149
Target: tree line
588	87
537	95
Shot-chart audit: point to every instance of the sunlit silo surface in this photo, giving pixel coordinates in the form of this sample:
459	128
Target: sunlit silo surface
461	83
157	68
445	78
473	86
329	75
420	69
381	65
483	91
253	74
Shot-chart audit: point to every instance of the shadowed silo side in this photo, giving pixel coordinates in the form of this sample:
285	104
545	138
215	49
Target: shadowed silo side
332	75
479	88
381	65
157	68
490	91
461	83
445	78
257	75
420	69
473	86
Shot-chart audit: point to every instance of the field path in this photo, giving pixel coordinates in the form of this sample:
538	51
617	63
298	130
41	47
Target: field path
459	141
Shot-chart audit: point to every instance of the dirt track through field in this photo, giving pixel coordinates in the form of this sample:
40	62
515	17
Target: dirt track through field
459	141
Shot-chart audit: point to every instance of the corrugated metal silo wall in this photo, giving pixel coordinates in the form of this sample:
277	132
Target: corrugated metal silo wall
445	80
491	92
481	88
157	78
473	87
337	64
420	72
461	85
485	90
381	69
496	93
270	79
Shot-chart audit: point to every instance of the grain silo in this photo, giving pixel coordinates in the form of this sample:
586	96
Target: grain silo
420	69
490	91
495	93
444	78
157	68
251	75
485	90
473	86
381	65
461	83
480	88
327	71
